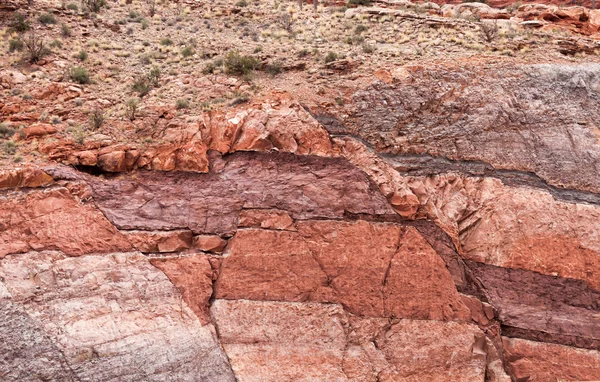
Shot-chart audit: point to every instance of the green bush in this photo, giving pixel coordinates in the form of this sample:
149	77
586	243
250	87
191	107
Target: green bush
47	18
273	68
242	3
187	51
93	5
182	104
166	41
20	23
141	85
15	45
79	75
359	2
330	57
6	131
82	55
237	64
73	7
10	148
65	30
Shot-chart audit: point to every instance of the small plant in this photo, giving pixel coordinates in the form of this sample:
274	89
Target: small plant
209	68
182	104
15	45
154	76
97	118
20	23
166	41
368	48
287	22
79	75
360	2
141	85
35	47
273	68
6	131
93	6
151	7
82	55
489	30
235	63
9	148
65	30
360	28
144	24
303	53
47	18
131	107
56	44
330	57
188	51
73	7
242	3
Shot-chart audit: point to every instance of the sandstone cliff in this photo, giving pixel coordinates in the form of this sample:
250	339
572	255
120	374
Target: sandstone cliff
425	221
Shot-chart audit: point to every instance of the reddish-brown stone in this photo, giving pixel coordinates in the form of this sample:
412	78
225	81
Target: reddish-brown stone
192	275
166	241
268	219
209	243
52	219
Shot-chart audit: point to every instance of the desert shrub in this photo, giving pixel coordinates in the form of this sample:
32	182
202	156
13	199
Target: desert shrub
15	45
360	28
187	51
9	148
144	24
242	3
368	48
154	76
19	23
73	7
286	21
93	5
35	47
330	57
209	68
166	41
182	104
141	85
97	118
131	108
303	53
56	44
359	2
79	74
65	30
82	55
6	131
151	7
273	68
47	18
235	63
489	30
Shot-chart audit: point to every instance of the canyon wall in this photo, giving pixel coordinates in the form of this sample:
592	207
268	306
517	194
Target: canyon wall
440	226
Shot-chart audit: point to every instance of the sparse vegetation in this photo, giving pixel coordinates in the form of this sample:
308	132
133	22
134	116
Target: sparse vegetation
35	47
6	131
237	64
93	5
15	45
131	108
47	18
97	118
79	74
20	23
359	2
330	57
489	30
188	51
82	55
65	30
182	104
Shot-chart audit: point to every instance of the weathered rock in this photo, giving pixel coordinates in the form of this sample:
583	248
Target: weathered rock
537	361
305	187
24	177
39	130
193	276
209	243
53	219
114	317
295	341
166	241
268	219
380	270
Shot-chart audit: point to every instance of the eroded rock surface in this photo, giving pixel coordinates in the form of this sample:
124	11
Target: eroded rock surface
113	317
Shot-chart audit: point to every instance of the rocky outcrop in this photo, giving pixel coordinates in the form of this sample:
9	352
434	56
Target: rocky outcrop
105	317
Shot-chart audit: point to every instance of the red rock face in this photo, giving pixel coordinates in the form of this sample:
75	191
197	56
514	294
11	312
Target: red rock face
379	270
53	219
